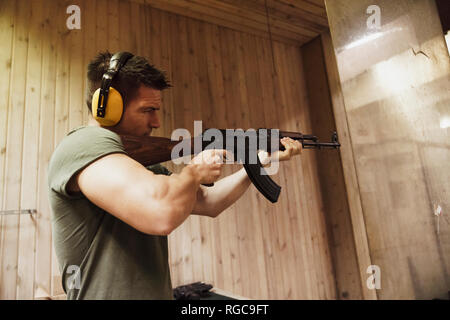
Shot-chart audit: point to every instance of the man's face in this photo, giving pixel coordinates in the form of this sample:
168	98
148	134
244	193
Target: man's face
140	115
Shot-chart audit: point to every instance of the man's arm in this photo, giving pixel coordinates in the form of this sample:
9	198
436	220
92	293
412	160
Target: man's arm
211	201
152	204
214	200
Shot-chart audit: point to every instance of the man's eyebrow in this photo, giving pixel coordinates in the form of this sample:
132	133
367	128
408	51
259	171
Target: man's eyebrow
149	107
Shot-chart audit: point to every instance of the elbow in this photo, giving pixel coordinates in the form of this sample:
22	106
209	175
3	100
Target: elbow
160	222
165	231
170	220
214	213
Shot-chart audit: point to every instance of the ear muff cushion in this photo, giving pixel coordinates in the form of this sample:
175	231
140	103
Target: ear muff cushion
114	108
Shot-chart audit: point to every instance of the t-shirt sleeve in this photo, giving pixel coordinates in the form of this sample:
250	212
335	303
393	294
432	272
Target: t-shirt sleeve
76	151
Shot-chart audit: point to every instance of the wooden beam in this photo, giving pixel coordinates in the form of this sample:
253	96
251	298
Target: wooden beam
349	167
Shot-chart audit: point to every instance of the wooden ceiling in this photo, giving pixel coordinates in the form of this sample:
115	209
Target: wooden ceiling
291	21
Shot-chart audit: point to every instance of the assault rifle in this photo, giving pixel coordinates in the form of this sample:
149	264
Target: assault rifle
243	146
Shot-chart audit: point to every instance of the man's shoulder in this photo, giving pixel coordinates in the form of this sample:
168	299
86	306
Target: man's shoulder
87	136
88	133
79	148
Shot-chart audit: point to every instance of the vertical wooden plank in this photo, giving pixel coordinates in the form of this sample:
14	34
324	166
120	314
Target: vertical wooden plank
295	267
183	119
285	123
167	122
297	80
136	10
14	149
102	25
26	255
254	269
154	35
195	236
318	228
89	47
242	223
277	242
112	10
153	49
62	73
62	102
269	104
256	120
7	25
288	171
285	237
176	237
124	25
213	111
43	269
7	22
76	74
228	102
212	98
166	66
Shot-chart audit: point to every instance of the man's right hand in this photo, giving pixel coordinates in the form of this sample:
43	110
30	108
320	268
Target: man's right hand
208	165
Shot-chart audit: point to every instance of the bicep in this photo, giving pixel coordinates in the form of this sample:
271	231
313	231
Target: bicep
124	188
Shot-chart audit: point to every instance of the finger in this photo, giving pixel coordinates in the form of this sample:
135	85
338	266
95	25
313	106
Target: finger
264	157
218	159
298	146
222	153
286	154
293	146
229	156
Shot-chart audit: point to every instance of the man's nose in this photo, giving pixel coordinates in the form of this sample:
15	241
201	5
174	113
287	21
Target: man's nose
154	121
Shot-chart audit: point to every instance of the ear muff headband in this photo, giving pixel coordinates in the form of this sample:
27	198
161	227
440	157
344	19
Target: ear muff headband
107	103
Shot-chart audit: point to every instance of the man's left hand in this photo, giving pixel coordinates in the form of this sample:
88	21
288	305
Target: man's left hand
292	148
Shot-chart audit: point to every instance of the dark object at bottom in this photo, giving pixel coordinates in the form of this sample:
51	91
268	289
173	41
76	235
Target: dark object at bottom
193	291
197	291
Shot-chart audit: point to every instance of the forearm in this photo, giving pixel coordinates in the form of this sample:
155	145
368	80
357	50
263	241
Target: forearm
225	192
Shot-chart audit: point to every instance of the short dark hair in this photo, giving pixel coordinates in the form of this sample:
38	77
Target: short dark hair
136	72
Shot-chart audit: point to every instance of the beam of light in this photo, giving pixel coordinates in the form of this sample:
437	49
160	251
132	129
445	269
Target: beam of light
363	40
371	37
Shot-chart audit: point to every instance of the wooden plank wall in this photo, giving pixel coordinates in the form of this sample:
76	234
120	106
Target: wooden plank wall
224	77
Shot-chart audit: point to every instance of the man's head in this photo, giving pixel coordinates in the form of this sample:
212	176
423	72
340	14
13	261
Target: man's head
140	85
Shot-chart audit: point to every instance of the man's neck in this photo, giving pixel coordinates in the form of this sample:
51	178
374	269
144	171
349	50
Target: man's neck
93	123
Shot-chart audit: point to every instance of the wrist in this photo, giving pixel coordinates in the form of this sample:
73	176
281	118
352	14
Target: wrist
191	171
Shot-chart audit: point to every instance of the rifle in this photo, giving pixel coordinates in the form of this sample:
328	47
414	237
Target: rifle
153	150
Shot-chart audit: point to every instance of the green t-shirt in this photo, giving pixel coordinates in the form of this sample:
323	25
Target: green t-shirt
101	257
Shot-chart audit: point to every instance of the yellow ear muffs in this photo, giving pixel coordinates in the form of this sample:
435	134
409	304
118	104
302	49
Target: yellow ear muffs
113	110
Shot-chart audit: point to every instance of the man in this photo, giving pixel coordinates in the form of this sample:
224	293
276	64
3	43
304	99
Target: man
111	215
